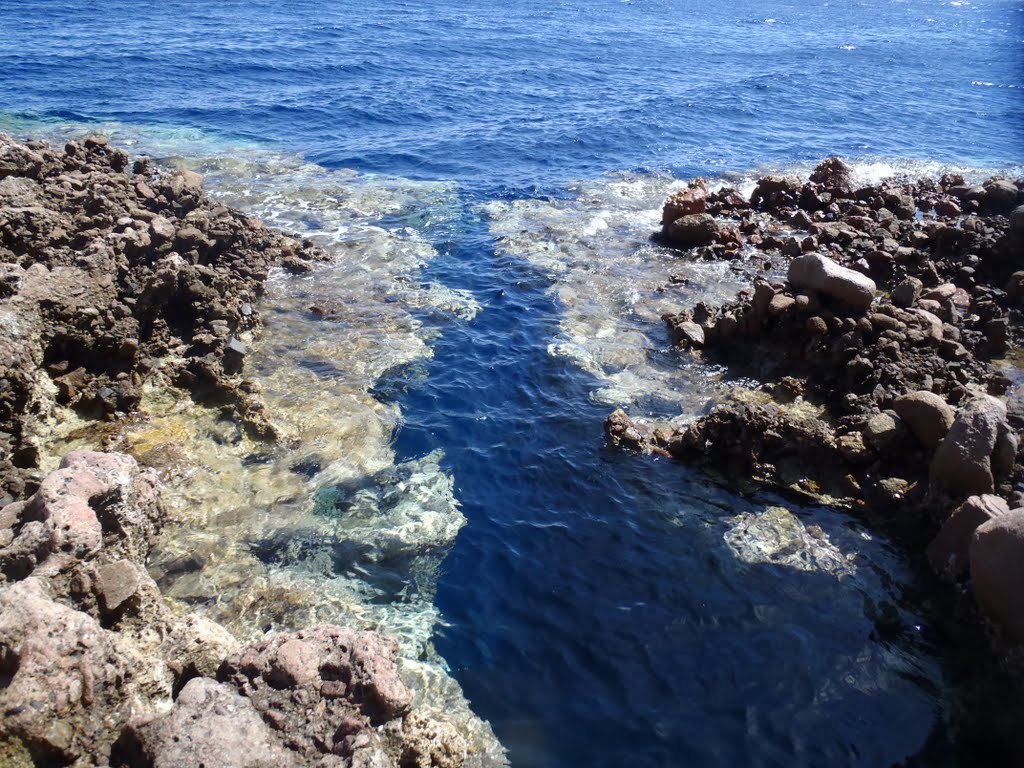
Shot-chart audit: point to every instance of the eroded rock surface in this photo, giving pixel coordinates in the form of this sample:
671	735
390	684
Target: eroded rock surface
111	275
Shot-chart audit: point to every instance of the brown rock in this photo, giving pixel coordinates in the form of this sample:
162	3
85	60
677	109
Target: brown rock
690	231
997	570
116	583
962	465
927	414
686	202
948	553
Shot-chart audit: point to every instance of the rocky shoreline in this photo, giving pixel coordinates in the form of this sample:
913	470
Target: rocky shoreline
883	326
116	279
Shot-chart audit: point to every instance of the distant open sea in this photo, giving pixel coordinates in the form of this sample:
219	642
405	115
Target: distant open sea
591	608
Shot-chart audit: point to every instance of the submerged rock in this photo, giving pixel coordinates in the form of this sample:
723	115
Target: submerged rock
777	536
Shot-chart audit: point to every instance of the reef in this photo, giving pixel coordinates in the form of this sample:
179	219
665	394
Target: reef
130	304
884	329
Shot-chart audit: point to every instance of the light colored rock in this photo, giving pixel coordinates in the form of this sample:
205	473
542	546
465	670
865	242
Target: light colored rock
70	685
949	551
927	414
211	725
777	536
819	273
962	465
997	570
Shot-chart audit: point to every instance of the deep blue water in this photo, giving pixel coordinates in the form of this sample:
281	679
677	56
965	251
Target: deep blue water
594	614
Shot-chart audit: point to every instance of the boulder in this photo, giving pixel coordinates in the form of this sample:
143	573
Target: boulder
962	465
949	551
686	202
907	292
1017	232
211	725
774	192
350	679
691	231
835	176
997	570
819	273
1000	195
927	414
67	686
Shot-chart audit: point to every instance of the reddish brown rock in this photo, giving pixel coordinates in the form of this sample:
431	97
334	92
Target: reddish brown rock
686	202
350	679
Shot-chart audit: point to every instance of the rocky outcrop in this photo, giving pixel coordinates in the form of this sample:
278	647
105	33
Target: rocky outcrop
97	668
111	275
877	350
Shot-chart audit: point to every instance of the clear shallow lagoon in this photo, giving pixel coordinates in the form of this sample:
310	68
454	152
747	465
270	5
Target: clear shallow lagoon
595	606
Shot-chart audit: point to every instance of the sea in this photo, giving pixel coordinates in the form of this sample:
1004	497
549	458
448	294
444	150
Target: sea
487	177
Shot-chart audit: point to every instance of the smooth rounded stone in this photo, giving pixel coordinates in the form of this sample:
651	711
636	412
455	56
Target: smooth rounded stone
962	465
940	293
691	231
997	570
949	552
907	292
685	202
927	414
211	725
780	304
820	273
947	208
816	325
